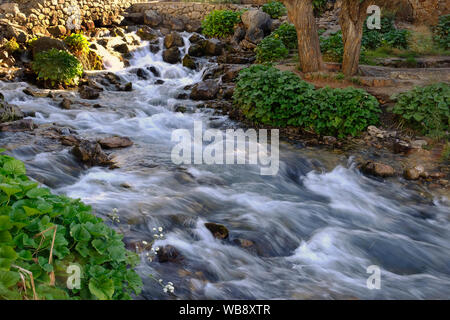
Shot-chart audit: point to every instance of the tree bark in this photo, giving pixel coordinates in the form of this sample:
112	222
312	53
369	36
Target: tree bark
301	14
352	17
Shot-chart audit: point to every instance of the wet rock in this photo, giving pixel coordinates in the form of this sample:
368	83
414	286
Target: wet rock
378	169
181	109
401	146
218	231
206	90
127	87
159	82
154	48
141	73
172	55
69	141
122	48
9	112
196	38
152	18
147	34
91	154
173	39
418	144
188	62
197	49
169	253
232	73
213	47
329	140
35	93
89	93
47	43
66	104
18	126
115	142
155	71
411	174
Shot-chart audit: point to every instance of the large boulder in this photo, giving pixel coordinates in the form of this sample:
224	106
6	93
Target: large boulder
257	24
47	43
213	47
89	93
197	49
17	126
172	55
173	39
188	62
206	90
148	34
378	169
218	231
152	18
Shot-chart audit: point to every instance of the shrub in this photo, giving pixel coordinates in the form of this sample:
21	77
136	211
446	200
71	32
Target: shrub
220	23
270	49
286	33
387	35
425	109
269	96
442	32
77	43
274	9
319	6
332	48
43	234
12	46
57	66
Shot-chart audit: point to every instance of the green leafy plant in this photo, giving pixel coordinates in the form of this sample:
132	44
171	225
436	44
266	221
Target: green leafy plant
280	98
12	46
77	43
387	35
442	32
425	109
286	33
319	6
274	9
42	234
270	49
220	23
57	66
332	48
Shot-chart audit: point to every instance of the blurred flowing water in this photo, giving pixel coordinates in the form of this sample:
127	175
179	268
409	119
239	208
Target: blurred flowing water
316	226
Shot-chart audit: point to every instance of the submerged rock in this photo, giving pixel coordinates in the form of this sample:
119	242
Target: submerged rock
89	93
218	231
147	34
169	253
9	112
188	62
18	126
173	39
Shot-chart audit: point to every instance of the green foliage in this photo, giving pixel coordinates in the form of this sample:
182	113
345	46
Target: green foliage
220	23
270	49
269	96
446	152
387	35
319	6
77	43
44	233
426	109
57	66
332	48
12	46
442	32
286	33
274	9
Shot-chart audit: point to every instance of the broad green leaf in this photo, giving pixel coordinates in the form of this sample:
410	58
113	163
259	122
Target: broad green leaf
15	167
102	289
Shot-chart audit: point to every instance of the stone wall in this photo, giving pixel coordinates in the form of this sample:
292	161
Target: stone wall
428	11
67	13
184	10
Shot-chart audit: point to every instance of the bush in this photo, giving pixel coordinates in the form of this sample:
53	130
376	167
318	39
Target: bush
57	66
12	46
43	234
425	109
270	49
286	33
274	9
332	48
77	43
269	96
442	32
220	23
387	35
319	6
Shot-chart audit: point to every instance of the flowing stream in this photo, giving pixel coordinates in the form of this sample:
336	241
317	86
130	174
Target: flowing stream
315	227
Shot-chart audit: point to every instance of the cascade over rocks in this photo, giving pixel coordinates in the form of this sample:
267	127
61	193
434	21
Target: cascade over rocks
172	55
173	39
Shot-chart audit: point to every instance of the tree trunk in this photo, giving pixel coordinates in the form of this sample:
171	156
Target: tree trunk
352	18
301	14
